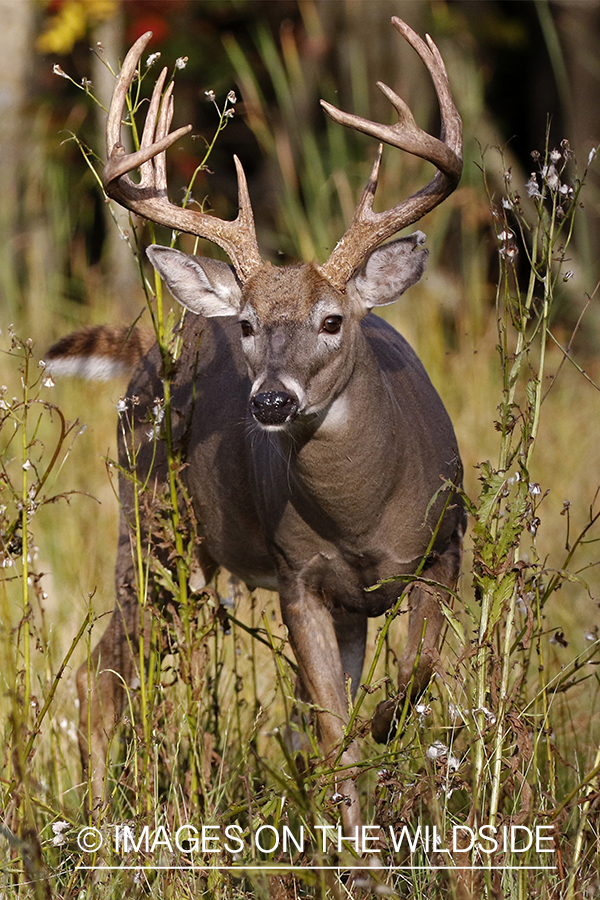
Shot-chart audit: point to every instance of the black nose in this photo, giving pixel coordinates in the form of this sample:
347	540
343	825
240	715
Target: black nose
273	407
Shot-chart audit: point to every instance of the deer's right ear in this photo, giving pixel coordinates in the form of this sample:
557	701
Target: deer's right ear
207	287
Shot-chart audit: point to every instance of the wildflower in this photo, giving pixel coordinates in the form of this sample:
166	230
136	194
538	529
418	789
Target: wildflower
58	829
86	84
121	405
534	525
592	156
58	71
568	275
555	155
437	750
48	381
455	713
532	187
210	95
231	98
505	235
27	465
229	114
487	714
534	489
152	59
158	410
506	203
550	176
181	62
559	638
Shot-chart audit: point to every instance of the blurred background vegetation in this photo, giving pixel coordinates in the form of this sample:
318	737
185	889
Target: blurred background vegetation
514	68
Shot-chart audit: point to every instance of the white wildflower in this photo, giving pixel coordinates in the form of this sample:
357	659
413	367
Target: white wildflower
229	114
555	155
181	62
506	203
210	95
453	764
592	155
27	465
152	59
231	98
48	381
487	714
534	489
122	405
505	235
437	750
532	187
58	71
58	829
568	275
550	176
86	84
534	525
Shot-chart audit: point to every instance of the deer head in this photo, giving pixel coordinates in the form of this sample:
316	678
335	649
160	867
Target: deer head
298	324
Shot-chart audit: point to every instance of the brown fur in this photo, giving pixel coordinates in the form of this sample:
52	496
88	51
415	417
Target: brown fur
289	293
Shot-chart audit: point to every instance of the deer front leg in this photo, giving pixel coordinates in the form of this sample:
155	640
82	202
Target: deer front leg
315	644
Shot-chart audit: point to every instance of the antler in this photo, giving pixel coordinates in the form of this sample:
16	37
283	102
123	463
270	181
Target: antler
149	197
368	229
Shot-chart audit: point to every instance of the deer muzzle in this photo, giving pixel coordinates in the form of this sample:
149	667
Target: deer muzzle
274	408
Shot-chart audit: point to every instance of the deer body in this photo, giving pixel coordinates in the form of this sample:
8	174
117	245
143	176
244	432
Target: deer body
319	458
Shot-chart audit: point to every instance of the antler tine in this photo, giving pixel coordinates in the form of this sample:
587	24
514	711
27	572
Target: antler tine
162	129
152	131
149	197
368	229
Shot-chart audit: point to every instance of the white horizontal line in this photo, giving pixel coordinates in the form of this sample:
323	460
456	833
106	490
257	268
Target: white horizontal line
364	868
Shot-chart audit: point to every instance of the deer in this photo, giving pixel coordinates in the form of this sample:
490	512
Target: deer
320	459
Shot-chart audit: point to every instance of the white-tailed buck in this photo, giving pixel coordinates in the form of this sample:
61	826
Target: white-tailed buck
320	459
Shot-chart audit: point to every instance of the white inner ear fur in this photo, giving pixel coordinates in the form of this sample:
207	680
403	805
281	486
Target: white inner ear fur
389	271
207	287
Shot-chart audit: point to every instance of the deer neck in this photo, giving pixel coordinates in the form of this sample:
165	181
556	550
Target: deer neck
347	461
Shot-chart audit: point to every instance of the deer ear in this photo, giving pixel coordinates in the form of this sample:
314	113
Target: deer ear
207	287
389	271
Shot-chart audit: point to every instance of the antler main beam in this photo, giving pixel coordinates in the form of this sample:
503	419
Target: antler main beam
369	229
149	197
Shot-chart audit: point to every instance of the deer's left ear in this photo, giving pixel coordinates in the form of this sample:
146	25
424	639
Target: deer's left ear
389	271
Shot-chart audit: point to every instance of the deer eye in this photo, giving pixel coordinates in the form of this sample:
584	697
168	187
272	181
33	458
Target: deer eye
331	324
247	329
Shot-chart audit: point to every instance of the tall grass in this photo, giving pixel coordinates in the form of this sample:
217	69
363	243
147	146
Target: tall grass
507	733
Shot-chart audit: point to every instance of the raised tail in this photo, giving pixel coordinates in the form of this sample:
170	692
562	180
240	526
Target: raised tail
100	352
